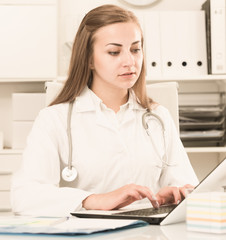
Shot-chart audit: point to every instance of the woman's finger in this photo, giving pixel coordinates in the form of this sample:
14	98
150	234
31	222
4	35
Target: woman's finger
146	192
176	194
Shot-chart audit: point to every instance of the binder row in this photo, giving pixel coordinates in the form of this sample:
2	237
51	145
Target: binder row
175	43
186	43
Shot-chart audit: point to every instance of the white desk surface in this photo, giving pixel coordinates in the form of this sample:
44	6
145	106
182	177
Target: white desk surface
151	232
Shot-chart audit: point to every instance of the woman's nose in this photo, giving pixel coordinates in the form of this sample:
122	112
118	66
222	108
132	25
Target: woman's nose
128	59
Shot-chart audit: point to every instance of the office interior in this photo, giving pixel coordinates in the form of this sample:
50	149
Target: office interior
27	78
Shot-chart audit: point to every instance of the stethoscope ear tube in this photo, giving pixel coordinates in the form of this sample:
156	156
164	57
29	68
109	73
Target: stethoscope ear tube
69	173
69	133
144	123
149	113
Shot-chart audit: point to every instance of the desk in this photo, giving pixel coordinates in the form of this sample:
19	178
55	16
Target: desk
148	232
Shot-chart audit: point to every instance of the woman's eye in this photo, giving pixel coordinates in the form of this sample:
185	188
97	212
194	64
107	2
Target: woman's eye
114	53
136	50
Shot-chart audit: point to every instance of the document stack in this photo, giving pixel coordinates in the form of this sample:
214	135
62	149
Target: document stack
206	212
202	119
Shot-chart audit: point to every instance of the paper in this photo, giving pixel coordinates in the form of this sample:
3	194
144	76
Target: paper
67	226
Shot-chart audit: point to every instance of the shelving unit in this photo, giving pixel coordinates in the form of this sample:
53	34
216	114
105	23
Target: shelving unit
28	59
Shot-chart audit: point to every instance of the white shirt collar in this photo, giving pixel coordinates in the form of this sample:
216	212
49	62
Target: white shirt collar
89	101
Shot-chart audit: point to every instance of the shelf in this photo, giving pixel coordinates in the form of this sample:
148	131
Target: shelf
205	149
21	80
187	78
11	151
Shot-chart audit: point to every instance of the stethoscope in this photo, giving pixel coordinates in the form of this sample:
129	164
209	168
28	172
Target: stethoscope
69	173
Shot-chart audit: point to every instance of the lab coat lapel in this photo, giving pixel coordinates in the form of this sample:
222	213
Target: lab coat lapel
84	102
133	106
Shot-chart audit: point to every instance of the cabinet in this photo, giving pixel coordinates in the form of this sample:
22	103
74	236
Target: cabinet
28	58
9	163
28	40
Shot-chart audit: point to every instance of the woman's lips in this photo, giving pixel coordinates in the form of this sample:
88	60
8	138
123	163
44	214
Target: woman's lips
127	74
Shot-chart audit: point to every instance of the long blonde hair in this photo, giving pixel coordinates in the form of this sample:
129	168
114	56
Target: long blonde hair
80	74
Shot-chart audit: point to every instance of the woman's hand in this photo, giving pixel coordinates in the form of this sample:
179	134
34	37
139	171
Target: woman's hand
118	198
172	195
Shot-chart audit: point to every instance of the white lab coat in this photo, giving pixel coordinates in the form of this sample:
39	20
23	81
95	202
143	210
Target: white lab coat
109	151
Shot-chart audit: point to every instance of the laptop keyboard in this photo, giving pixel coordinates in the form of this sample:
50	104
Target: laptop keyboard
148	211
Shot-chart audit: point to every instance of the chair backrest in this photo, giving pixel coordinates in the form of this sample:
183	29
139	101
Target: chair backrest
52	90
166	94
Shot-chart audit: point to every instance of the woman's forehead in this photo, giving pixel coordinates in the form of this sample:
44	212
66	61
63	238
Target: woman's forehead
119	33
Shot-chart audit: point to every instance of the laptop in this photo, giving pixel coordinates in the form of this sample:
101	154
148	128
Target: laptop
167	214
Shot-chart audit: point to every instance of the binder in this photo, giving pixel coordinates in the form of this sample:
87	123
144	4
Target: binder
216	35
168	41
198	53
152	45
183	43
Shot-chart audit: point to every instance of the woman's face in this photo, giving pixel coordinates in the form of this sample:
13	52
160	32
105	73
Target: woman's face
117	56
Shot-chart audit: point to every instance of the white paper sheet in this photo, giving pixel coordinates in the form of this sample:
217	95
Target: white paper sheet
69	225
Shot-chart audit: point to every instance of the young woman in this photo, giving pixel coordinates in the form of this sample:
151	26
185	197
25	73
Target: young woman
116	161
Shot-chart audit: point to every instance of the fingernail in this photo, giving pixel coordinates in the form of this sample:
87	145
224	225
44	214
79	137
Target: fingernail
156	201
178	201
157	204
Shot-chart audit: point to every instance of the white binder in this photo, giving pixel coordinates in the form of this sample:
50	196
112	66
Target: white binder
216	31
152	45
198	41
168	39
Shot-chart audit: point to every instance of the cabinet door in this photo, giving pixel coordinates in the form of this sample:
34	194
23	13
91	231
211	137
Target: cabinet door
9	163
28	42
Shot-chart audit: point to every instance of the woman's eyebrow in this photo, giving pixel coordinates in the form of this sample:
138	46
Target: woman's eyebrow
115	44
136	42
120	45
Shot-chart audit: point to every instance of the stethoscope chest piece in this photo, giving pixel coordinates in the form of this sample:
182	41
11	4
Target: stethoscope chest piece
69	175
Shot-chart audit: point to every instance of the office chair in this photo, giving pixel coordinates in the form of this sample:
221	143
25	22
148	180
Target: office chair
165	93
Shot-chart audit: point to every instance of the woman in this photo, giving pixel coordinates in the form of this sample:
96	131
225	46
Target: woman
116	162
